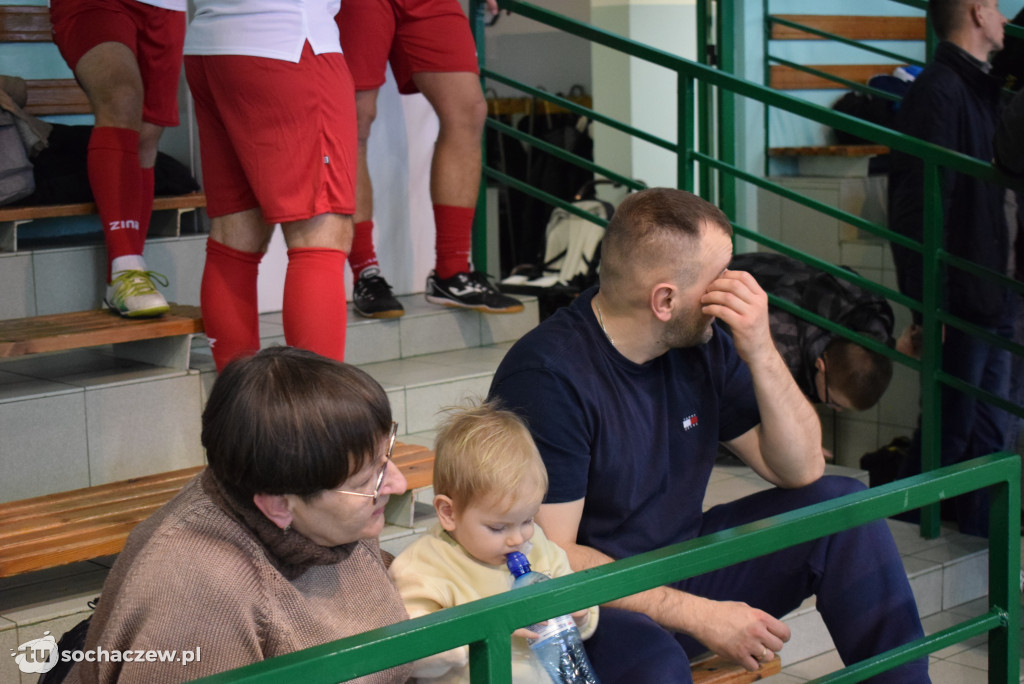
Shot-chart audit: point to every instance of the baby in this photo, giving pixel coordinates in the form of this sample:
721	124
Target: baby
489	482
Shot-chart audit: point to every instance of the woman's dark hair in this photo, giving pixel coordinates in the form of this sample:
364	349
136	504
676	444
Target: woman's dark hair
288	421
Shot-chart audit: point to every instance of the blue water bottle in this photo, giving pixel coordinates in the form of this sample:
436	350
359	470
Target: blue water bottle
559	648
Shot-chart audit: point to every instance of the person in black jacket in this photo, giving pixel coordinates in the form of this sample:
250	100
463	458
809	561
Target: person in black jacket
955	103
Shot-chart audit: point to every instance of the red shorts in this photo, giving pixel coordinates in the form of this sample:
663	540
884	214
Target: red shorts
155	36
275	135
414	35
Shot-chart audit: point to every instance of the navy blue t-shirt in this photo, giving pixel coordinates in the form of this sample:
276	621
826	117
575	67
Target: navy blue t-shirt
637	441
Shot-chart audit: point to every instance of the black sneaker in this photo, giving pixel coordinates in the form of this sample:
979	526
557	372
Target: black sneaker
372	296
473	290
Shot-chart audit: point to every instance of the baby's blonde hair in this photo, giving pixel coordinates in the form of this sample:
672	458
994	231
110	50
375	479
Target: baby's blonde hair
483	451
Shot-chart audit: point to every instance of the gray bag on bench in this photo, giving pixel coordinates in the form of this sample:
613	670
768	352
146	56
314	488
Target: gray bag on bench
16	179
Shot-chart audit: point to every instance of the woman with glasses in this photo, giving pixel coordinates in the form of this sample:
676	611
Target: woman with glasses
274	547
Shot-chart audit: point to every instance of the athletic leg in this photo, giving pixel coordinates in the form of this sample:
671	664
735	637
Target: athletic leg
314	288
110	77
454	186
228	293
372	296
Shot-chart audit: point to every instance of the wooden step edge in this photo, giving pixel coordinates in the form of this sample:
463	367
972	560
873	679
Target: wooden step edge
107	328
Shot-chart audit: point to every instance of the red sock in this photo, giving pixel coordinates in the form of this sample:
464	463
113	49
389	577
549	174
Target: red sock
116	180
315	310
228	297
362	255
454	234
145	206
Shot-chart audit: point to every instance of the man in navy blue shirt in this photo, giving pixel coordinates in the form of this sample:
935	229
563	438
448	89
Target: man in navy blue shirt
628	393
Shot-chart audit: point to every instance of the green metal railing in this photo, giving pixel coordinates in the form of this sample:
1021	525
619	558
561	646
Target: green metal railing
485	625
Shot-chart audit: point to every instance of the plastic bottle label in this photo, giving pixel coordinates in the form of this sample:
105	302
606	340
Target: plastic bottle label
554	627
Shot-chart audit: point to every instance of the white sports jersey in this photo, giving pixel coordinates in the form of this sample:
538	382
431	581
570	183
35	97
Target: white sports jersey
276	29
176	5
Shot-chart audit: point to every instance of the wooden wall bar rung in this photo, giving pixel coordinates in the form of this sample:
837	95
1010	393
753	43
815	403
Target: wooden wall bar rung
852	27
506	106
788	78
25	24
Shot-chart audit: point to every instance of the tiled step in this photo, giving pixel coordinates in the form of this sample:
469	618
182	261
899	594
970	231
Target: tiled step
85	417
59	280
430	358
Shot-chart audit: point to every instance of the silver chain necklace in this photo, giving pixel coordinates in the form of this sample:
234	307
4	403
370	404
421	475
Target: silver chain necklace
600	321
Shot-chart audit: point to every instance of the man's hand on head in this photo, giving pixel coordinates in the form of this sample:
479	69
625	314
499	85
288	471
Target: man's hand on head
736	299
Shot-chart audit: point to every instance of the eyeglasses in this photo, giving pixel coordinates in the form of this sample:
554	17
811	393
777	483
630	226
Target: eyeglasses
383	469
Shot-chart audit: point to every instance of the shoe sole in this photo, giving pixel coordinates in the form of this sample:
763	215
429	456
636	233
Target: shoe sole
444	301
393	313
140	313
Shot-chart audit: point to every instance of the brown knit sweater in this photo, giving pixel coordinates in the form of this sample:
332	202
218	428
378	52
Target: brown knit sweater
208	572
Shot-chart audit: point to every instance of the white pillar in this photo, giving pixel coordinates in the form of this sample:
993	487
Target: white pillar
635	91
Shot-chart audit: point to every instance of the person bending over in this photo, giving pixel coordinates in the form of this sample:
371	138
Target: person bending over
828	368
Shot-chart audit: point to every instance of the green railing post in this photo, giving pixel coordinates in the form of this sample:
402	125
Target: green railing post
684	132
727	200
705	111
490	661
932	241
479	242
1003	569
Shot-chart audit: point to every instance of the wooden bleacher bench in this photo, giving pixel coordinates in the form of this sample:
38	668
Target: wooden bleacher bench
853	27
162	341
83	524
192	200
718	670
61	96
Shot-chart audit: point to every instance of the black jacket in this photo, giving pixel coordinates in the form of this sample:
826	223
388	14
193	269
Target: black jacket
954	104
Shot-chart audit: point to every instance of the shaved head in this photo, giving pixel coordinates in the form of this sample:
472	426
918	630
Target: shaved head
654	237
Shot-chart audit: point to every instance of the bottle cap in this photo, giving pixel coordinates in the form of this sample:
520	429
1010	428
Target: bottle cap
517	564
